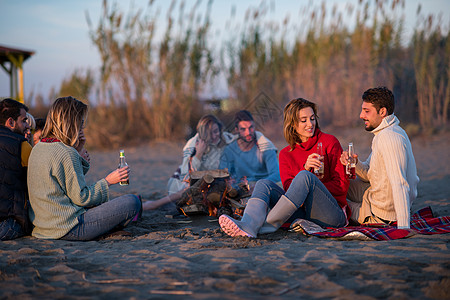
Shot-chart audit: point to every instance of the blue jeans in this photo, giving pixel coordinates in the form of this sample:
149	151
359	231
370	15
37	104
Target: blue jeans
312	199
105	217
10	229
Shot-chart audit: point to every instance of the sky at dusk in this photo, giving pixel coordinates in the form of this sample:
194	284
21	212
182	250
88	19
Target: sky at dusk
58	33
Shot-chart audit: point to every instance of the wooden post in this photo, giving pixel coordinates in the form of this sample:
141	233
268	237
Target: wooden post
16	76
21	97
13	81
20	60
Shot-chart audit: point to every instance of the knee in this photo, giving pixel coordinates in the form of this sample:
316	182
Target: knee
137	202
264	182
133	202
304	175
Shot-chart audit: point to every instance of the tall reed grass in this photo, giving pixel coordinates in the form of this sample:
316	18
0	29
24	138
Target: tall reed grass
150	87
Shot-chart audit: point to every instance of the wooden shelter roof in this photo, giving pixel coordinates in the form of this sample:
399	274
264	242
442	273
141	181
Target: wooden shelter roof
5	51
11	60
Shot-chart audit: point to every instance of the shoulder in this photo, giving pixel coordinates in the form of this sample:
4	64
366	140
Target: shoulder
58	157
191	142
285	150
393	134
11	136
330	141
260	137
232	145
264	144
69	156
58	151
286	153
328	138
228	137
391	139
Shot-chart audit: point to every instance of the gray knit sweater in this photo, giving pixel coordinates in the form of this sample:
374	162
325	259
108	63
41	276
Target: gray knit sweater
58	191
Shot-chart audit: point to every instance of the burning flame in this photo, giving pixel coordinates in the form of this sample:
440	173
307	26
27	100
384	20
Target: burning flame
244	184
220	198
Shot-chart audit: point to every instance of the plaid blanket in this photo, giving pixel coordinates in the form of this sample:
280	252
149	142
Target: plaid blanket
422	222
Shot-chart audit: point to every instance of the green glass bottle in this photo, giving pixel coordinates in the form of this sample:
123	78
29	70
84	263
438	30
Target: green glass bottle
123	163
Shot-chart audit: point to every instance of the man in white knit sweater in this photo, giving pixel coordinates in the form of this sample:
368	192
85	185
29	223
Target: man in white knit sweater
387	181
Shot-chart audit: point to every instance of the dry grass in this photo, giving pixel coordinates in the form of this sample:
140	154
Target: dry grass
150	88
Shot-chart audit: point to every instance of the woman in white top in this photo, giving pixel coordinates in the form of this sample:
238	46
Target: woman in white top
202	152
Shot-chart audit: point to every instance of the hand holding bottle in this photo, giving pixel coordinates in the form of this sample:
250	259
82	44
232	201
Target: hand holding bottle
349	159
350	168
345	158
319	171
315	162
312	162
118	175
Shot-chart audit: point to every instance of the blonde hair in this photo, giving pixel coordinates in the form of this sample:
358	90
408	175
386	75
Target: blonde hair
204	127
291	114
65	120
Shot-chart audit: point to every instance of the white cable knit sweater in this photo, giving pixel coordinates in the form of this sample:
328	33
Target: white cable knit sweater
391	171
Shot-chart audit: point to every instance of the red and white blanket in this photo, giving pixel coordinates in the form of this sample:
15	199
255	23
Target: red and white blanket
422	222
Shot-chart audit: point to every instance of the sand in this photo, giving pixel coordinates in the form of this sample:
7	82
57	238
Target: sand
164	259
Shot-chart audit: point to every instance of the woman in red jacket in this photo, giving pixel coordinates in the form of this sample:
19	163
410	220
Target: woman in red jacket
322	201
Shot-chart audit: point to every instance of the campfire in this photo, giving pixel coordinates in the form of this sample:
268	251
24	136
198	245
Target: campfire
214	193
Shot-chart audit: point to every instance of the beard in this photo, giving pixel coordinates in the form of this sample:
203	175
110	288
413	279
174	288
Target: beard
19	131
368	127
248	139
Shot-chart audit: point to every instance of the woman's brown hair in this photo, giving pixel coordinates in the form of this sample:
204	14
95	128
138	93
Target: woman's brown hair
291	113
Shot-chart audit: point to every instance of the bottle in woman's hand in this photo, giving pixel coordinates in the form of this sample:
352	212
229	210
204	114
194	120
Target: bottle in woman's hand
122	164
319	171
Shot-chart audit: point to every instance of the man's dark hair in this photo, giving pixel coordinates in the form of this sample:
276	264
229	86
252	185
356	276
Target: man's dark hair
380	97
242	115
10	108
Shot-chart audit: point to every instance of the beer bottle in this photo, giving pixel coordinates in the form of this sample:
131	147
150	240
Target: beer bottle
319	171
123	163
350	169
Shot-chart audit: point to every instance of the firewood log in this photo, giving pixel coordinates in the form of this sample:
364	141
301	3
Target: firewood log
216	191
195	193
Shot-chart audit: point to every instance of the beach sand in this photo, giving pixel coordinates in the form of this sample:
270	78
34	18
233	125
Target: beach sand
164	259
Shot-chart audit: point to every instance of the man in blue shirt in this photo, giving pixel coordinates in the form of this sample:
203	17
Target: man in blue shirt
252	155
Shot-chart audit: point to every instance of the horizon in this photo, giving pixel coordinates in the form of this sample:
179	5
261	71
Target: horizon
62	47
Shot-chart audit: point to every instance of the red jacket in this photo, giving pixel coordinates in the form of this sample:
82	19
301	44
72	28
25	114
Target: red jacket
335	179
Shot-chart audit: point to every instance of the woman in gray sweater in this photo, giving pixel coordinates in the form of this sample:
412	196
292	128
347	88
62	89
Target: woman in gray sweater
63	206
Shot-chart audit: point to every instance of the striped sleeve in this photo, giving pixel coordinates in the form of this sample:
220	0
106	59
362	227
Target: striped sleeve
72	178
